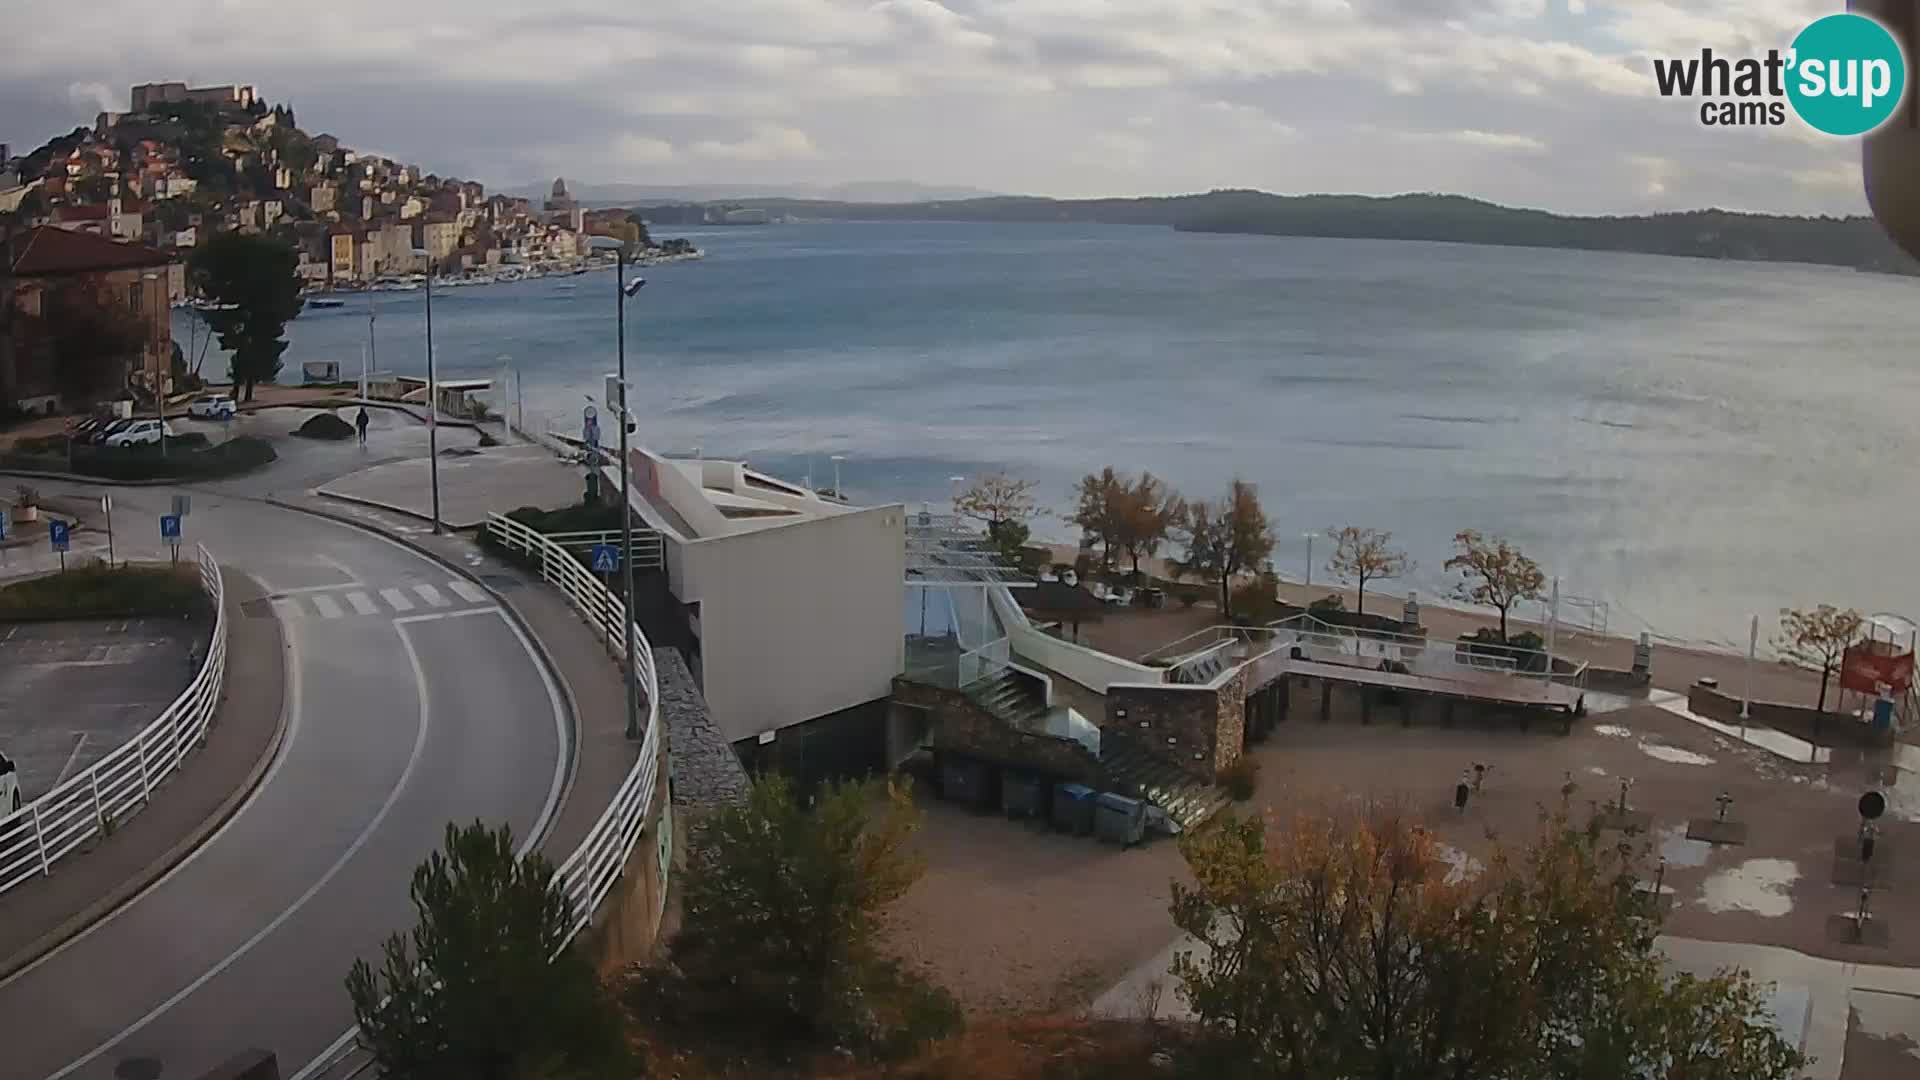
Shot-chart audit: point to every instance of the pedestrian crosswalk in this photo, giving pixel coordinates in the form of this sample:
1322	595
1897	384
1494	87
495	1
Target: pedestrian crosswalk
349	602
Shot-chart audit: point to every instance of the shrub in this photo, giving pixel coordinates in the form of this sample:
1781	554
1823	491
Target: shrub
1328	603
1255	604
98	591
325	426
1241	777
1189	597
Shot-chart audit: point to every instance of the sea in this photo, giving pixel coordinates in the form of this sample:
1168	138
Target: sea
1682	443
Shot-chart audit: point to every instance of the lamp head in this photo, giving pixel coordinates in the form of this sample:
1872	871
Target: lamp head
634	286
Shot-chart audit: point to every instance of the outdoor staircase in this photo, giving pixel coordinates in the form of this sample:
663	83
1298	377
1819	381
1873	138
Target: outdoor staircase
1130	770
1011	698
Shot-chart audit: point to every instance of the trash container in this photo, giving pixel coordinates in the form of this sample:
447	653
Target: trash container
1023	795
964	781
1119	820
1073	809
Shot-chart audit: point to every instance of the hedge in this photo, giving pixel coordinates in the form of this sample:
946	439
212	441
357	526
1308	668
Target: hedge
181	462
98	591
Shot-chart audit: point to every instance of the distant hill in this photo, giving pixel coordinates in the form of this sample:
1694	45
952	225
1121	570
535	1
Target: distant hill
1719	234
860	191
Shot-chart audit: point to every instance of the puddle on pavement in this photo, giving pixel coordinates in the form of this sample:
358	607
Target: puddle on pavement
1460	865
1680	851
1613	731
1757	885
1673	754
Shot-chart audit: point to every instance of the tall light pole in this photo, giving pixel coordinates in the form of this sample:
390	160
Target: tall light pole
433	405
623	290
838	491
163	379
1309	539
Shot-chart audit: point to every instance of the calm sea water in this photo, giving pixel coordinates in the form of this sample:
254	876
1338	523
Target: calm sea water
1689	441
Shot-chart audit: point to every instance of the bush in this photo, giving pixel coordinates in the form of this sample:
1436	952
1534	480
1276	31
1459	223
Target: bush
99	591
1328	603
1189	597
181	462
1255	604
1241	777
325	426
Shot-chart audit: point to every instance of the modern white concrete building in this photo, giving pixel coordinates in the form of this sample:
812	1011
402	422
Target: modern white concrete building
795	599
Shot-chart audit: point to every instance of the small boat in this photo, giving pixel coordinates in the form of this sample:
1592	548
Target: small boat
326	303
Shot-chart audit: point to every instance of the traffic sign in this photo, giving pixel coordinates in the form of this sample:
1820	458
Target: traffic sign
57	532
182	506
606	558
3	524
170	527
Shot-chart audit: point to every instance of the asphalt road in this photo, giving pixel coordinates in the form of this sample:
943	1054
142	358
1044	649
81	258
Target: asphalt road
412	702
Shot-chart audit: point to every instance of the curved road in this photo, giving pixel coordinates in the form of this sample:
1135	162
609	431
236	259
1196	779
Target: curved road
411	701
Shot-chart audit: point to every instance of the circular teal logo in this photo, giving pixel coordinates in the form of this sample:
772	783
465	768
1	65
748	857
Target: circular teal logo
1847	74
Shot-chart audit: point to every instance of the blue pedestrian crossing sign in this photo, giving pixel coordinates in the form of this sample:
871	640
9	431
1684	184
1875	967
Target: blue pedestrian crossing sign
57	531
606	558
170	527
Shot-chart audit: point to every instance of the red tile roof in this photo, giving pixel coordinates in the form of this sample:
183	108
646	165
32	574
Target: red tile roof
50	251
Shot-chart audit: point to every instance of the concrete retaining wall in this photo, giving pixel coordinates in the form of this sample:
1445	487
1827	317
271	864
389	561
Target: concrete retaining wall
1823	729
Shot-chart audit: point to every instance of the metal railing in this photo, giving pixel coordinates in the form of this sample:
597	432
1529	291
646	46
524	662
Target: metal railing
97	799
589	874
984	662
649	552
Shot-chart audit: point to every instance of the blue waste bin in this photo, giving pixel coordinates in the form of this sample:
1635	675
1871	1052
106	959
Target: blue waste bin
1073	809
1023	795
1119	820
964	781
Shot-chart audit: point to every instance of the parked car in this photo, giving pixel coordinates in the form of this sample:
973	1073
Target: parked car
107	430
82	430
140	433
213	407
9	786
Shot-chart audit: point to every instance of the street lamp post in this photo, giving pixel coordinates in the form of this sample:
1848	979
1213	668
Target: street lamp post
433	403
1309	539
623	291
163	379
838	491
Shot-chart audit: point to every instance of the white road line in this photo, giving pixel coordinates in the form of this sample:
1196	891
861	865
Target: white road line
397	599
287	609
78	744
438	615
431	595
363	604
345	570
327	606
321	588
468	591
366	834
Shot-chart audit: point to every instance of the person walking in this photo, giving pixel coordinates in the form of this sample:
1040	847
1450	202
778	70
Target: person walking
361	422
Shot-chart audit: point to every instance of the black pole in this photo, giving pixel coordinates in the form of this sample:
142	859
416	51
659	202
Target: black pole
626	500
433	411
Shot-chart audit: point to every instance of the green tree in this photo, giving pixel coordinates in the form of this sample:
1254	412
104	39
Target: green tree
1097	503
1346	946
484	988
1496	573
1818	639
779	943
255	288
1146	513
1225	538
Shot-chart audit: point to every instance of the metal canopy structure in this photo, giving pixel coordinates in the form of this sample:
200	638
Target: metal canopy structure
947	550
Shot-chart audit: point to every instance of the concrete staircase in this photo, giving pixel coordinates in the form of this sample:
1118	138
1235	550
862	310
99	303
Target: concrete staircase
1130	770
1125	767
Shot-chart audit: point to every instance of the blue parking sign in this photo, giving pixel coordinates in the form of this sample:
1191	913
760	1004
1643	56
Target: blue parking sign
170	527
57	531
3	524
606	558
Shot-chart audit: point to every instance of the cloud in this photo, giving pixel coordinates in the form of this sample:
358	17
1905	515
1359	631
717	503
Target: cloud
1536	102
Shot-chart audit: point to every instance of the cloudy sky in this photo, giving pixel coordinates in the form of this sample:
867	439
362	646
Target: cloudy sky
1544	103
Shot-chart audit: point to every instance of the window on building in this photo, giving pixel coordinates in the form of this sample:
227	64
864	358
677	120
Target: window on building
133	297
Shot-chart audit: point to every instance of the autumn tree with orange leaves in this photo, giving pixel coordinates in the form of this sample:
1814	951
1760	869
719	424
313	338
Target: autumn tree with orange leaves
1344	945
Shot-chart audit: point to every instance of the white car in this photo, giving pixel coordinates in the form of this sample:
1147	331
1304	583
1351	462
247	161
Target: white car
9	786
215	407
140	433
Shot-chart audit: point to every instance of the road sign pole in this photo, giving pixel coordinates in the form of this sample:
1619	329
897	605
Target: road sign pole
106	504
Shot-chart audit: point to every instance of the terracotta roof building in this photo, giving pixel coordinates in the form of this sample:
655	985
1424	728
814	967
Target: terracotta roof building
48	261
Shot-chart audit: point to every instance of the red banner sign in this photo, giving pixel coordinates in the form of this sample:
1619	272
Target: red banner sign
1866	671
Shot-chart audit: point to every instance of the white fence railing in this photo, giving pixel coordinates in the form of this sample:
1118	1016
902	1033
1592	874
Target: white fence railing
984	662
591	871
97	799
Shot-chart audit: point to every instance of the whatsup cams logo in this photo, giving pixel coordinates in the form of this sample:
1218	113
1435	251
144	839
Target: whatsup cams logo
1843	75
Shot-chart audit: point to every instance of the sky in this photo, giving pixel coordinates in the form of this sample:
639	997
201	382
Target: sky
1544	103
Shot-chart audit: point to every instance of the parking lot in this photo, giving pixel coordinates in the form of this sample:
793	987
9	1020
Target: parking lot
72	691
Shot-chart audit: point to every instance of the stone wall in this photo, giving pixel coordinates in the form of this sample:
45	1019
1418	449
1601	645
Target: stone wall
1198	729
1615	681
706	773
961	725
1824	729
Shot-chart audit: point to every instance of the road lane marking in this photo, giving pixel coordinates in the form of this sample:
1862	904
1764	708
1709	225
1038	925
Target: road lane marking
363	604
397	599
287	609
564	767
431	595
78	743
366	834
436	616
345	570
468	591
327	606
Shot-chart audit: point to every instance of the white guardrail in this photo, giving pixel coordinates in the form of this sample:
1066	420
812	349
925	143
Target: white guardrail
97	799
591	871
